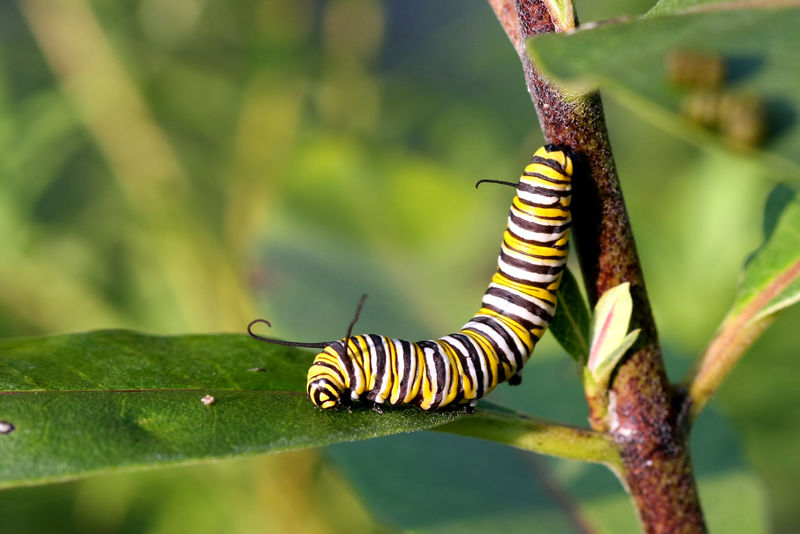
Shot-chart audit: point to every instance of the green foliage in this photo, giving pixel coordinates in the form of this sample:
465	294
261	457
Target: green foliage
110	400
676	6
629	59
324	157
570	325
609	334
777	260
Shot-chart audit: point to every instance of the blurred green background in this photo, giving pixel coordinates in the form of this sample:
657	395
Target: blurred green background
186	166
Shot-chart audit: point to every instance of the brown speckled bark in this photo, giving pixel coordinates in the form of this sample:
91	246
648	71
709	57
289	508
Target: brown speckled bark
643	415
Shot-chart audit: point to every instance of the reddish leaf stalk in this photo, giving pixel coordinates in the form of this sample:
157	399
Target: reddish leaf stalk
735	336
644	416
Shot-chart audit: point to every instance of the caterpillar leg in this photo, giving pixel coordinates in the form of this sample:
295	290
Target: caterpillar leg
470	406
516	379
346	403
376	407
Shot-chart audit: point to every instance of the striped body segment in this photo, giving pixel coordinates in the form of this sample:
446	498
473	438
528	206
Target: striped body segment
496	343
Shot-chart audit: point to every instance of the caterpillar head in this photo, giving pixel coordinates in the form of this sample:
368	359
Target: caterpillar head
324	387
326	379
558	154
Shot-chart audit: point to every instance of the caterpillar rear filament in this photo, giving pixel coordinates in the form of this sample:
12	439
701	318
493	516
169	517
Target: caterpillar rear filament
495	344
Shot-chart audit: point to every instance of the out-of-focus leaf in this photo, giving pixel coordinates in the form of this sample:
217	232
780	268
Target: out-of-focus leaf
666	7
107	400
733	494
570	325
775	266
761	400
770	282
630	59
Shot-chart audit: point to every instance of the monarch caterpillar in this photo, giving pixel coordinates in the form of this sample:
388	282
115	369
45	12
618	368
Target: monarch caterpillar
495	344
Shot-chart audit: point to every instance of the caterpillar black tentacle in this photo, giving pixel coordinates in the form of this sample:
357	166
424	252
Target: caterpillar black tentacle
305	344
490	181
495	344
313	345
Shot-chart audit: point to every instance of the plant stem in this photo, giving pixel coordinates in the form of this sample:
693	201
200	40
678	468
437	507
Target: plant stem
722	354
642	417
538	435
734	337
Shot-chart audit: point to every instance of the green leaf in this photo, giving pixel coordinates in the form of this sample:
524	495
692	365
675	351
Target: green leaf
770	283
570	325
605	366
772	272
666	7
609	332
106	400
629	59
